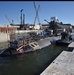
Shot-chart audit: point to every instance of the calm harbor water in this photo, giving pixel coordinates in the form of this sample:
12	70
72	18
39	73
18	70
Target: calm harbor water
31	63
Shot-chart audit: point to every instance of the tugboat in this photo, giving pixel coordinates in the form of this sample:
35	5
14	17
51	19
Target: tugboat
65	38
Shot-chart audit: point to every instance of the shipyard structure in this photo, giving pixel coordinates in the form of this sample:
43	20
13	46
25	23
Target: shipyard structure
10	31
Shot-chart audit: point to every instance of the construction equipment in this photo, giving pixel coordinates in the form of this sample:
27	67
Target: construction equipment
11	23
54	19
22	21
46	21
36	10
21	16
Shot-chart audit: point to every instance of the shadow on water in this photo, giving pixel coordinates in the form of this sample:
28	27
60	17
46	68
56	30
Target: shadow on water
31	63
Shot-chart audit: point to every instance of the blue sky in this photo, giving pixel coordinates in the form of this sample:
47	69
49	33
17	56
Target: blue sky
64	10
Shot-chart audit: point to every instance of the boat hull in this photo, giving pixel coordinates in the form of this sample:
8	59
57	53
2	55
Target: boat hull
41	44
61	42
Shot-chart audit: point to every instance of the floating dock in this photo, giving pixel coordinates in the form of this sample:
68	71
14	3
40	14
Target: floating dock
62	65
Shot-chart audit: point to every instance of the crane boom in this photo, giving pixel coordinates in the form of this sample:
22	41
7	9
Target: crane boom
8	19
34	6
36	12
46	21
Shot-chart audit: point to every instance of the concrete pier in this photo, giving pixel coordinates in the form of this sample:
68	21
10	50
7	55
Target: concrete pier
71	44
62	65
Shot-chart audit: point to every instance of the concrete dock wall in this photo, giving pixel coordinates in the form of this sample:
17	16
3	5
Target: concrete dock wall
25	31
62	65
4	37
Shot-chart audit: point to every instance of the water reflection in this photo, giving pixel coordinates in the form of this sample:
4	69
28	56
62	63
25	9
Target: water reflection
30	63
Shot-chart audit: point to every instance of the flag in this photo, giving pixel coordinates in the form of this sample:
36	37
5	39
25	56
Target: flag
21	50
